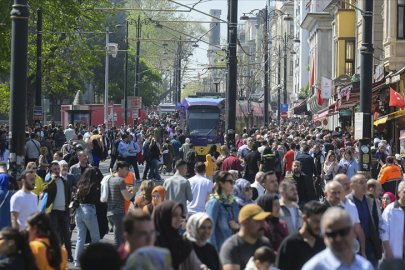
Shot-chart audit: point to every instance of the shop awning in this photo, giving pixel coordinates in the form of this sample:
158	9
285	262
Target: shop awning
391	116
300	107
321	115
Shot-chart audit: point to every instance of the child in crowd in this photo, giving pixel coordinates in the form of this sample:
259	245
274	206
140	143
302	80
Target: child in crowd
263	259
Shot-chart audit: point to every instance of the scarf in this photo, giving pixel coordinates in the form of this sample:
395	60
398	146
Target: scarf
266	203
149	258
169	237
162	192
238	188
193	224
224	200
392	197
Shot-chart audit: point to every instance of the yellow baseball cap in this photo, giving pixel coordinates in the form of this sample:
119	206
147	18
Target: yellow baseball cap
252	211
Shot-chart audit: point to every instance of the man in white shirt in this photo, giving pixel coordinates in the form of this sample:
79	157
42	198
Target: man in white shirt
201	187
351	208
338	234
69	132
258	184
23	203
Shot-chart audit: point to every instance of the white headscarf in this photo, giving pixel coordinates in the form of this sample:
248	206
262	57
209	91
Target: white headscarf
193	224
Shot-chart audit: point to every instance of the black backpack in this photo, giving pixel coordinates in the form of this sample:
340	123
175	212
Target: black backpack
328	147
114	147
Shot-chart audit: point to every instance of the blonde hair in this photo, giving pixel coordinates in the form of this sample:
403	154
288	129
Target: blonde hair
225	150
330	153
29	164
146	188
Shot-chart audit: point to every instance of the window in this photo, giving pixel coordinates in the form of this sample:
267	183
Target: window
350	57
292	28
401	19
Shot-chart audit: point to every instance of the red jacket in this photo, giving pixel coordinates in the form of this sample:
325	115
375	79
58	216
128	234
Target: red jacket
232	163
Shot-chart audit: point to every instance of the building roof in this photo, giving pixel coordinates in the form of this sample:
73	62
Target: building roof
312	18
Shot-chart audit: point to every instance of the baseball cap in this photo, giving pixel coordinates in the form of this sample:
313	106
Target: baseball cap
252	211
398	157
233	149
377	140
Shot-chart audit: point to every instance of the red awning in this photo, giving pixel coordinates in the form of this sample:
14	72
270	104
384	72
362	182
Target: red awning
320	116
298	104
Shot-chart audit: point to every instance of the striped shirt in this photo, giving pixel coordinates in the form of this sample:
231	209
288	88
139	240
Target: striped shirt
116	201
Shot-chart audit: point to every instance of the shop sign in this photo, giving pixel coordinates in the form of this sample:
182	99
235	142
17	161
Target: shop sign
358	126
346	113
325	122
318	123
378	73
326	88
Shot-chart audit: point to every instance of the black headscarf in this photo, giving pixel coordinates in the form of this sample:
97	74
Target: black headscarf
169	237
266	203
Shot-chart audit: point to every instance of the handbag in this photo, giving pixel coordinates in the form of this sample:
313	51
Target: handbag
74	203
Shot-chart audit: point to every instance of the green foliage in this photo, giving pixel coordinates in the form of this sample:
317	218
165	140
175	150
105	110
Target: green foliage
4	98
304	91
67	52
192	87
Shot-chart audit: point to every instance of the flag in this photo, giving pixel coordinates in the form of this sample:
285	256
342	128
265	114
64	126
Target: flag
313	72
396	100
320	99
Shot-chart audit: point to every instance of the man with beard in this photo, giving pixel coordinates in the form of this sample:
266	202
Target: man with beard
289	210
240	247
67	176
305	186
23	203
301	246
338	234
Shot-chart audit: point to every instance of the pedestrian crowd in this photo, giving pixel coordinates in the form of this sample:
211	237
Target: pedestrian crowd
285	197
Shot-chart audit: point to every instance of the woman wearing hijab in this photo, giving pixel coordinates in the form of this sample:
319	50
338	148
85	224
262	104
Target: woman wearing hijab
243	192
158	196
276	229
149	258
167	218
387	198
223	209
5	197
199	229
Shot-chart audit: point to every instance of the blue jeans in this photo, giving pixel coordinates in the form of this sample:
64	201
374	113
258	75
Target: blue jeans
154	169
131	160
116	221
86	219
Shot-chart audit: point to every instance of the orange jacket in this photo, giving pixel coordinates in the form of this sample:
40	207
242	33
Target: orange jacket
129	180
390	172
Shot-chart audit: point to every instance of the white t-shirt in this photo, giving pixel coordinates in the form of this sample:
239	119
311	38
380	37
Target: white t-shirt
25	204
352	210
201	187
293	210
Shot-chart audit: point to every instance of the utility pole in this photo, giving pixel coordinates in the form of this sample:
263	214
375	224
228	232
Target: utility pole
18	86
278	87
266	70
107	52
126	80
38	80
138	47
285	69
178	96
366	86
232	65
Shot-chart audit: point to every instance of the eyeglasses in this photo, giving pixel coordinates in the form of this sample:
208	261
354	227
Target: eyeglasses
247	189
342	232
35	168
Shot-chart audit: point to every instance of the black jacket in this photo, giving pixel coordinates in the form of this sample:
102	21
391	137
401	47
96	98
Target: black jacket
305	187
307	164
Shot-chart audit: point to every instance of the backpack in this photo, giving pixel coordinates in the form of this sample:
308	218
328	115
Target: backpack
104	188
277	161
328	147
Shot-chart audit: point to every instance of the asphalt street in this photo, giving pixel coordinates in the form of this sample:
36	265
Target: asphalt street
104	167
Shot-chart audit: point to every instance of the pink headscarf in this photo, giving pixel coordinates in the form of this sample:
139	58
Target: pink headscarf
392	197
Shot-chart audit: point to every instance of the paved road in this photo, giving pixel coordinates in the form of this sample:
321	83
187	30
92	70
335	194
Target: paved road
104	167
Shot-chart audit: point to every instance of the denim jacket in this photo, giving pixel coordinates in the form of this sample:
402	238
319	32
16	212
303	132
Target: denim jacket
221	230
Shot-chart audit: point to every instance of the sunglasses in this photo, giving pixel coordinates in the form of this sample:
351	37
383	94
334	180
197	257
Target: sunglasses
230	181
342	232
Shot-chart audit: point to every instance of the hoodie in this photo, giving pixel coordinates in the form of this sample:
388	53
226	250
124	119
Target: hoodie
209	166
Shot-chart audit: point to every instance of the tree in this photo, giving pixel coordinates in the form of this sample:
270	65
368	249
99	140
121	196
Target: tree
68	56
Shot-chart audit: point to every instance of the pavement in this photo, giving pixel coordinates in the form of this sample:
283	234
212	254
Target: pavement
109	238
